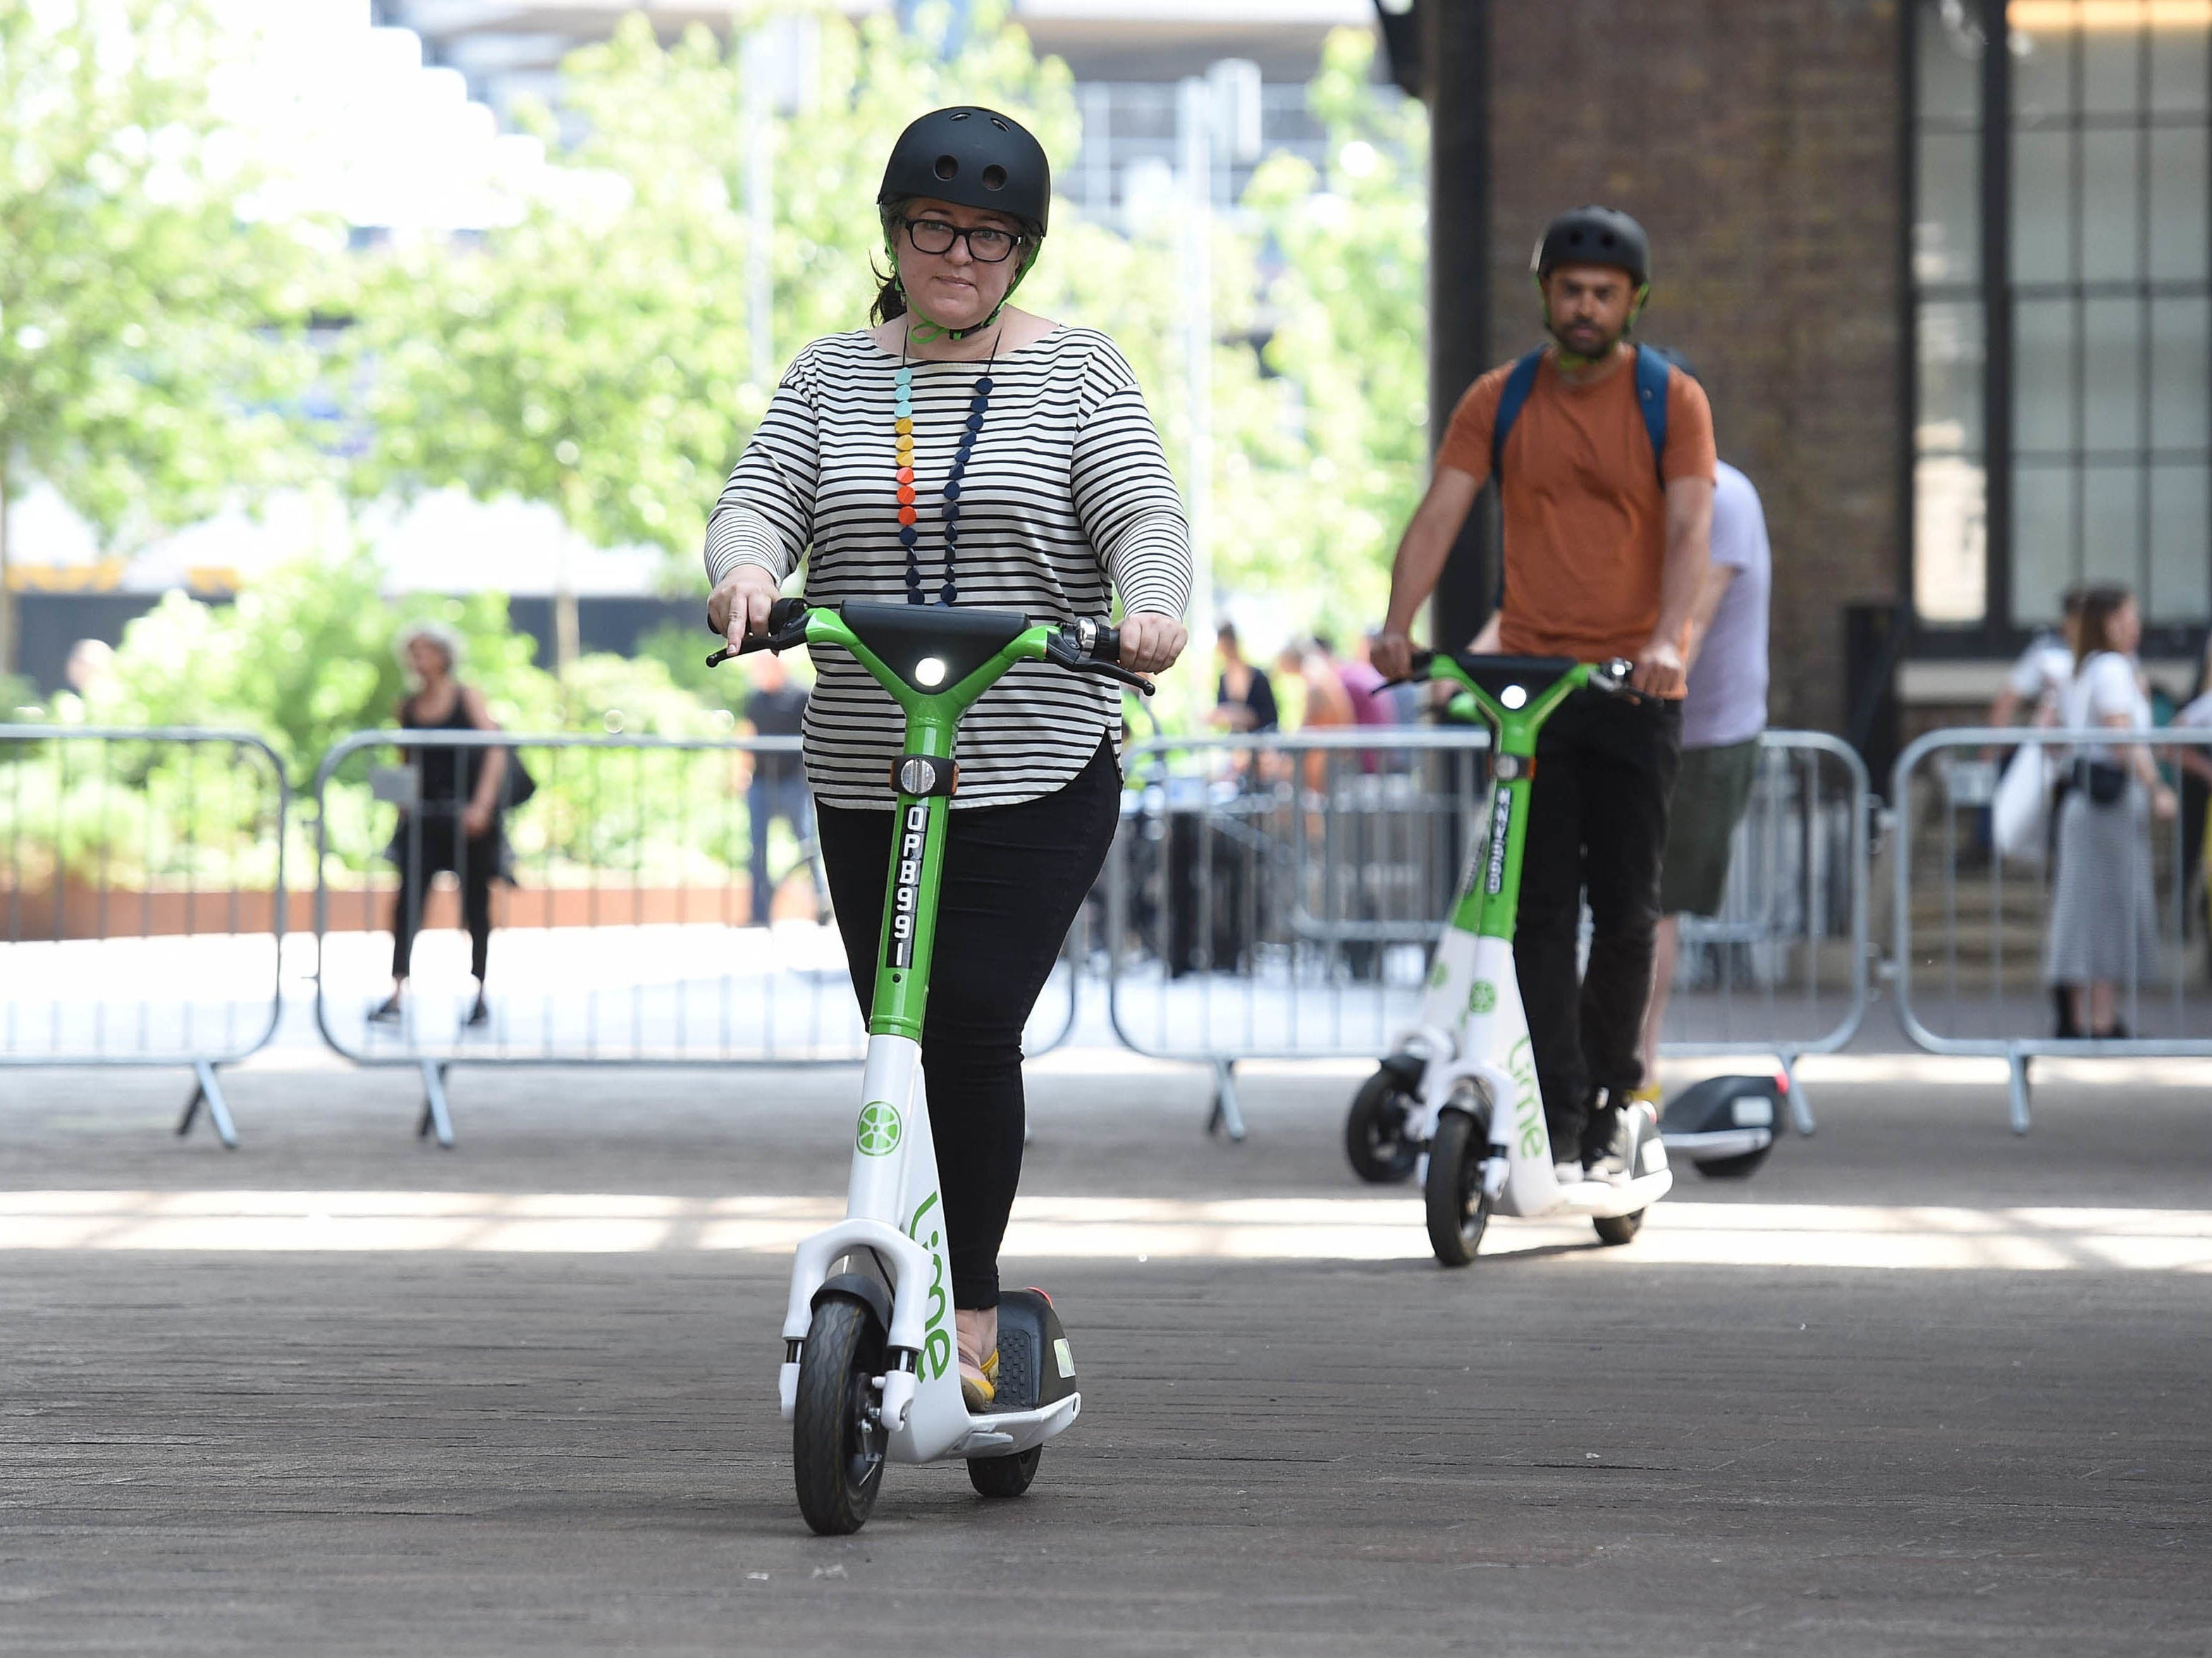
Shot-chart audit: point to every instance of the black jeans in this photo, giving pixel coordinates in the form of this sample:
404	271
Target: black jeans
422	851
1014	877
1597	824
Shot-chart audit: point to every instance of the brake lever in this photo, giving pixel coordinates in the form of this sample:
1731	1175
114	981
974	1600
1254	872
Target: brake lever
1116	670
782	641
1064	653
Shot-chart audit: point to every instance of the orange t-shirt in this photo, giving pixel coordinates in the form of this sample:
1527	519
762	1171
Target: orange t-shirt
1585	518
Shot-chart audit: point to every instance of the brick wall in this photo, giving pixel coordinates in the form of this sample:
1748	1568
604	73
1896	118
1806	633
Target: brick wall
1757	142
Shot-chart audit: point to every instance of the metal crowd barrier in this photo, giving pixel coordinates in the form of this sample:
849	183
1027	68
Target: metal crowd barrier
1782	967
1277	897
622	929
142	901
1973	896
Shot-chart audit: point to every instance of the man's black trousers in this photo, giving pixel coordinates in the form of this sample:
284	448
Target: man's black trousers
1597	825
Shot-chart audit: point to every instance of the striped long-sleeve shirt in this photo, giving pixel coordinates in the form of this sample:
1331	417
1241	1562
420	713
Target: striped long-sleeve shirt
1066	501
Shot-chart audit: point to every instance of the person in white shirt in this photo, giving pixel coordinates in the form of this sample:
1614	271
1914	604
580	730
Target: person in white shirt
2037	682
2104	916
2038	679
1723	713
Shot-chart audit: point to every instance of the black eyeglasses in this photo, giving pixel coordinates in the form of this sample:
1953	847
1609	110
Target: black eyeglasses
985	244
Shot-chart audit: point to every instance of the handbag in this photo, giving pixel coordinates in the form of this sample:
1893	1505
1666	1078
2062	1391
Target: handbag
2102	781
2021	806
516	784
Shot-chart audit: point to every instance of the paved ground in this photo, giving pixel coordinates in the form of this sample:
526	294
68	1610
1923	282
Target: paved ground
339	1393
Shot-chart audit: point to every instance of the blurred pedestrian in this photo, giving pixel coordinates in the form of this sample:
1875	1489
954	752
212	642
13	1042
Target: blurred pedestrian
2038	679
1372	699
1723	714
1323	702
454	824
2195	764
775	708
1326	701
2104	917
1243	698
2033	787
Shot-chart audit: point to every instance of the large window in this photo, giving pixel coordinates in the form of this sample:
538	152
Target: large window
2062	278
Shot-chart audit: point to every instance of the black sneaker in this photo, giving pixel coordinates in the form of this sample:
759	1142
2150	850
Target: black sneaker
388	1012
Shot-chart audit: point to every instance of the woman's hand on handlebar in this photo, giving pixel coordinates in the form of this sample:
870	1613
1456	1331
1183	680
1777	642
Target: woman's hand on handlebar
1150	644
739	603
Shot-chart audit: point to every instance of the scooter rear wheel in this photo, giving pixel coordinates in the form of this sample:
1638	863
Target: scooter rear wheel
1374	1140
837	1440
1458	1208
1004	1476
1618	1229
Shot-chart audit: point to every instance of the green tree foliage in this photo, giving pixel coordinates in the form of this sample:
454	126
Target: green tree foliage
147	327
594	356
1328	457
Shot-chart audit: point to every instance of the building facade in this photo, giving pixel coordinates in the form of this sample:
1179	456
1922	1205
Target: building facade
1946	268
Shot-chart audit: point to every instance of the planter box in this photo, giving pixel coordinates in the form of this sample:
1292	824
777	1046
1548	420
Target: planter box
82	912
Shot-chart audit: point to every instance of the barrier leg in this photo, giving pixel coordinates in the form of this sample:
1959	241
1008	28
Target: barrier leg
207	1090
1800	1108
2018	1090
1226	1119
435	1117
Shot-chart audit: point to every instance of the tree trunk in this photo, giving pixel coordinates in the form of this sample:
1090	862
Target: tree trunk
7	587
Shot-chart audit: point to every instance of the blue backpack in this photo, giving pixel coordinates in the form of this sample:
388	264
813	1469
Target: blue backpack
1651	372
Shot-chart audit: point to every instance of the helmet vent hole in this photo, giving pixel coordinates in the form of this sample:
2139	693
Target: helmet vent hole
959	114
946	167
994	177
1001	124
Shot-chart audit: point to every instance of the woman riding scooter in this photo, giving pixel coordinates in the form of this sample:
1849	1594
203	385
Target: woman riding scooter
963	451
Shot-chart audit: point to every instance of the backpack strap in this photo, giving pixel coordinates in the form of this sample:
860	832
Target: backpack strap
1652	371
1520	381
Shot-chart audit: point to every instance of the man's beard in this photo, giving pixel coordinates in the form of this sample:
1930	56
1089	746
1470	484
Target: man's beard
1589	347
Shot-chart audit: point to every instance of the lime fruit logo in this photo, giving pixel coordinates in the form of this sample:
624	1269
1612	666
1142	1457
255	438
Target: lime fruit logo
1483	997
879	1128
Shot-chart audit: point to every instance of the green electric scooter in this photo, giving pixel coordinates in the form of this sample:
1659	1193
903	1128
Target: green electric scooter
1461	1086
869	1373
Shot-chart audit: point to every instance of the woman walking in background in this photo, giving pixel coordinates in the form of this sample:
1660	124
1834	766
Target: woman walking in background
2103	921
454	824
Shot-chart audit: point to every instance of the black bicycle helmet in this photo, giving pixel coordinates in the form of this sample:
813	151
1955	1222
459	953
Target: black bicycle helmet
1593	235
972	157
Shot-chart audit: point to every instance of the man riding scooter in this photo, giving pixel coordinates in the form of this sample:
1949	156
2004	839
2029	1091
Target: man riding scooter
1605	461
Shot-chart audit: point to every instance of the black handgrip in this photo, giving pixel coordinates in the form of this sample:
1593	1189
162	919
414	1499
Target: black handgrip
1107	646
787	626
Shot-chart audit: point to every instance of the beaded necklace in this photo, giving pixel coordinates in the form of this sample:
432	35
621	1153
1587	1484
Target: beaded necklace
902	449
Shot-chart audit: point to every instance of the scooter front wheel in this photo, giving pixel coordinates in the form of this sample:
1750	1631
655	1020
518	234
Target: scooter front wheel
1458	1207
837	1434
1375	1140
